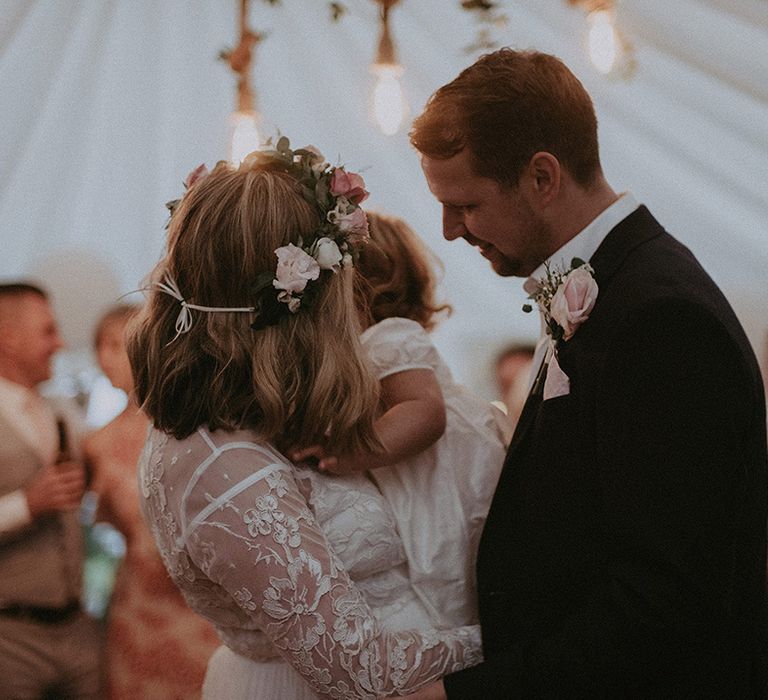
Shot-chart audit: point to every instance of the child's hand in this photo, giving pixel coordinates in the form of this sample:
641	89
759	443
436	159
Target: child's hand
316	457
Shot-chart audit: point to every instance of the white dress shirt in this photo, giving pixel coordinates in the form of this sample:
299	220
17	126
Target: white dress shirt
583	246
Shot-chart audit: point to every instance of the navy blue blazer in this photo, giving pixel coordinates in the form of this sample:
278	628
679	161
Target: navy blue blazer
624	555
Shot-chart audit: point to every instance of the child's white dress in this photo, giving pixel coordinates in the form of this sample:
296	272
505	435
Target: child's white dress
441	496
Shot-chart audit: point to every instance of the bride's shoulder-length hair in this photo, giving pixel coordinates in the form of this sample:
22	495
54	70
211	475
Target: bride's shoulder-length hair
302	379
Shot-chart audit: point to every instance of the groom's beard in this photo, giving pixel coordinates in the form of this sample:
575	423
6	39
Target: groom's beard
533	241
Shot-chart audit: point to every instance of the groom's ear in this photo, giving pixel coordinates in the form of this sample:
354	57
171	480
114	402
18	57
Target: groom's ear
544	172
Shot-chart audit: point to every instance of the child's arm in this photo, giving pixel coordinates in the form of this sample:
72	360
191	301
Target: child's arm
414	419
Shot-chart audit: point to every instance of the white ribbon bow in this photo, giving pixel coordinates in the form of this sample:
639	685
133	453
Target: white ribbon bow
184	319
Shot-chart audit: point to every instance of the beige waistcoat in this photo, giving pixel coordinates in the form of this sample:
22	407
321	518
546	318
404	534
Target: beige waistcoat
40	564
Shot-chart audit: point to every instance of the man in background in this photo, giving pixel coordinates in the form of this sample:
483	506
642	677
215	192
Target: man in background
513	377
48	646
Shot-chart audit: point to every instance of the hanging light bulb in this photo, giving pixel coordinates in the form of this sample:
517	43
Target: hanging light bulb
389	105
388	101
244	134
603	40
608	49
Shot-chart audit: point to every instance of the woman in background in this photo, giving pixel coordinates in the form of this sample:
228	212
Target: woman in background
157	648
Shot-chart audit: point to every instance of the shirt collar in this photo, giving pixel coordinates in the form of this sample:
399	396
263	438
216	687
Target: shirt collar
585	243
12	393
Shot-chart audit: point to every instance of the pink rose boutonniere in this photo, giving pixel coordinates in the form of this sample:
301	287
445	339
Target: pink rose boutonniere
566	299
574	299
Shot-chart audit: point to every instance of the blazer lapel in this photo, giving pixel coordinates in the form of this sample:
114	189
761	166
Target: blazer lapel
628	234
530	408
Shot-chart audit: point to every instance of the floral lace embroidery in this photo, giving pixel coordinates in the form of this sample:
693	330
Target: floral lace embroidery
259	566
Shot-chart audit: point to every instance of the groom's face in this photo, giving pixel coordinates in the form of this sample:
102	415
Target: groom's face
498	220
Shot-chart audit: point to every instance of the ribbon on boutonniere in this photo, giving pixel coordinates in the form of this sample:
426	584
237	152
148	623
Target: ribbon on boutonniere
565	299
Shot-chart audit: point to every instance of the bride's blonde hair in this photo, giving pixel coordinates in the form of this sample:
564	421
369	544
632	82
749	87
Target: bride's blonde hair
302	379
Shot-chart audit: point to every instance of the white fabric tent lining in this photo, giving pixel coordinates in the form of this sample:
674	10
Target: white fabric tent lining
110	102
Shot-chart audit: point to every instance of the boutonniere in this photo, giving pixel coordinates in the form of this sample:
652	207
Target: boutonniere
565	299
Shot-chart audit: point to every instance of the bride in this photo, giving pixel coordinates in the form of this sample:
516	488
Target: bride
248	345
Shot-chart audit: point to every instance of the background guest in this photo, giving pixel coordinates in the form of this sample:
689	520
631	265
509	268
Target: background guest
513	377
156	646
48	646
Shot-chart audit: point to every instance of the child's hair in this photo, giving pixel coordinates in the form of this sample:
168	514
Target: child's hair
397	274
120	313
303	378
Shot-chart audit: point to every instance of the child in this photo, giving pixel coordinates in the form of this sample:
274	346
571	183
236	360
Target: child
443	446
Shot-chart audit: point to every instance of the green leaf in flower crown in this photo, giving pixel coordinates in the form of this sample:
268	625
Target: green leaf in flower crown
269	311
284	146
263	280
577	262
322	193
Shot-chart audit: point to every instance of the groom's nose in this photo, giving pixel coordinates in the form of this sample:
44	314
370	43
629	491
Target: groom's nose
453	224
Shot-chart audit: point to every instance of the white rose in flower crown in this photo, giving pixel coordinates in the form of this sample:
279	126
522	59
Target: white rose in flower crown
574	299
294	269
327	254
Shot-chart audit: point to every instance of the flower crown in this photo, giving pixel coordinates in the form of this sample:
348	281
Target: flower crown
336	195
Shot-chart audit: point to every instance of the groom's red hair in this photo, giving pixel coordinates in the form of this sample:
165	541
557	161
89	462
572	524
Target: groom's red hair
506	107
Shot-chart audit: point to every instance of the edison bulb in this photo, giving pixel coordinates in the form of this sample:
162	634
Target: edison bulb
603	41
245	135
389	105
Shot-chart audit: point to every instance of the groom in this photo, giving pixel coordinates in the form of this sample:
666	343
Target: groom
624	554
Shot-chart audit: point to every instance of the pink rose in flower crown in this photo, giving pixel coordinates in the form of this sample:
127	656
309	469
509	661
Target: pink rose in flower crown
350	185
354	225
574	299
294	269
197	174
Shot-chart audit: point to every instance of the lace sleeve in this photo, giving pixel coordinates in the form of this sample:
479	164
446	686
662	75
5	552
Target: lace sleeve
398	344
252	533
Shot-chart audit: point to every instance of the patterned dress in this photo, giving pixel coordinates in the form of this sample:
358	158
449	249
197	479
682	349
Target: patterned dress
157	648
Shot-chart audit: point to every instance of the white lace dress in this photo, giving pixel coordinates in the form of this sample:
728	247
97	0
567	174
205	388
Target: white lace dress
265	551
441	496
